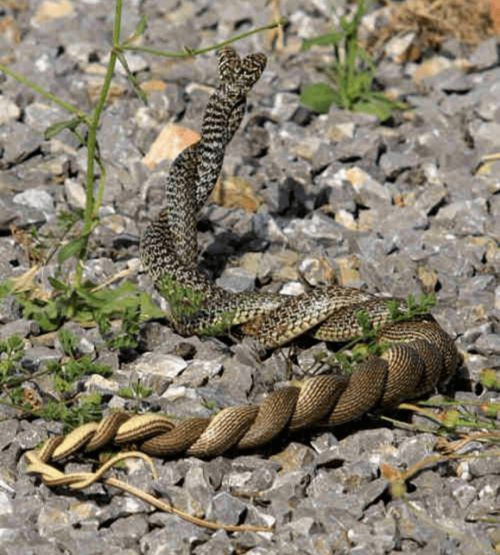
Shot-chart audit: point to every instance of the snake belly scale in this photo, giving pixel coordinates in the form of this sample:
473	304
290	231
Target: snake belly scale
420	357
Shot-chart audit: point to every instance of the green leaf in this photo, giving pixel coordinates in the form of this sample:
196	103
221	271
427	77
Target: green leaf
58	285
59	126
141	26
131	78
69	342
149	310
318	97
5	288
372	106
73	248
328	39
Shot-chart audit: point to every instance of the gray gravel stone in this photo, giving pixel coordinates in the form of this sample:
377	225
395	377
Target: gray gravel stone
226	509
8	110
485	55
35	356
472	215
393	163
236	280
36	198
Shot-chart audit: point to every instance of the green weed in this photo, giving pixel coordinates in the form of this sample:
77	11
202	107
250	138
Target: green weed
88	408
366	344
11	353
351	71
72	410
135	391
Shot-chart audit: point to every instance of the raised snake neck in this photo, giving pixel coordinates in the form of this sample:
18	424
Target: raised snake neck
421	355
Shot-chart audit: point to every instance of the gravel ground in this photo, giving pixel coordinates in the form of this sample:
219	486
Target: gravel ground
396	208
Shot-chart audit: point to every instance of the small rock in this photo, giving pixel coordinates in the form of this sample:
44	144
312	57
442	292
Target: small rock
100	384
6	506
340	131
463	492
317	271
226	508
288	486
488	344
171	141
292	288
394	163
430	68
218	543
485	466
235	192
52	9
23	328
348	271
18	141
157	370
53	517
285	106
468	217
135	63
397	48
236	280
294	457
39	116
132	527
8	431
199	372
319	228
369	191
75	193
485	55
36	198
485	135
37	355
451	80
175	536
8	110
345	218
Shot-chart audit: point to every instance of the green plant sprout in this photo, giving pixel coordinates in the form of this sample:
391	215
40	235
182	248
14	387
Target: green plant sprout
366	344
72	409
352	73
187	303
136	391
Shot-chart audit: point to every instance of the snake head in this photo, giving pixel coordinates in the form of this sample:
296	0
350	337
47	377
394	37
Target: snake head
240	74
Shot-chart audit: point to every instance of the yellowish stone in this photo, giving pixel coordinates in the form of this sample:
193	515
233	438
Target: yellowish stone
53	9
348	274
170	142
235	192
153	85
428	278
431	67
94	87
10	30
294	457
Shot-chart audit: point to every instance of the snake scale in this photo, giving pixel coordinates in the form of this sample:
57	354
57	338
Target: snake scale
421	355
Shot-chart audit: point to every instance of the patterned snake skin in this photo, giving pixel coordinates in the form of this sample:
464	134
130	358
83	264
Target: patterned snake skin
421	354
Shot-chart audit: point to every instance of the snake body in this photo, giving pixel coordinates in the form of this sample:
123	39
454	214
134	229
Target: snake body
421	354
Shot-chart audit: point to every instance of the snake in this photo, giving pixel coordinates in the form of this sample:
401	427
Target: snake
420	354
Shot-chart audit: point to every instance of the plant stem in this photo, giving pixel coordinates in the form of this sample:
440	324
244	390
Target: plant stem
17	381
46	94
88	217
187	52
